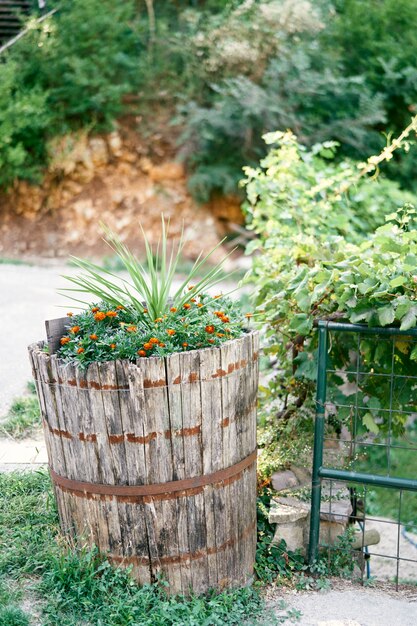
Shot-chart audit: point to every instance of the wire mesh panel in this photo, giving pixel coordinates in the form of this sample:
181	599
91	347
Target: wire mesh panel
366	439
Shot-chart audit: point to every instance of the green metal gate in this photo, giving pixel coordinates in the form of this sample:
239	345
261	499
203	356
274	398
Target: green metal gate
394	340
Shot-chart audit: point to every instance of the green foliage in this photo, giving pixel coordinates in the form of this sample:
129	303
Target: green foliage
23	417
339	560
84	57
372	282
152	285
13	616
316	259
234	70
24	121
28	523
296	191
146	315
281	442
78	586
343	75
103	334
375	40
341	71
273	561
70	71
292	93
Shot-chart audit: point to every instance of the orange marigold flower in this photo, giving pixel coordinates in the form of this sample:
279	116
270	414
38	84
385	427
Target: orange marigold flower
209	329
173	309
193	300
145	310
190	287
219	295
99	316
74	329
148	346
95	309
111	314
210	340
158	319
112	346
218	313
65	340
171	332
219	334
248	315
142	352
80	350
161	345
153	340
187	306
93	336
225	319
120	307
131	329
70	314
199	304
185	344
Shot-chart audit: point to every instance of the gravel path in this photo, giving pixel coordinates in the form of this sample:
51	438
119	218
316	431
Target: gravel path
29	297
386	568
350	605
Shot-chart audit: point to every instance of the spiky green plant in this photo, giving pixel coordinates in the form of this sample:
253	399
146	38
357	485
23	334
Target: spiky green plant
149	284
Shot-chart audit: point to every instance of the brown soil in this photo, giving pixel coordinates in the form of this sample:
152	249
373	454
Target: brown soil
120	179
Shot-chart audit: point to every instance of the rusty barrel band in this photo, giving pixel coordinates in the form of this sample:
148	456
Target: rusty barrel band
157	488
175	559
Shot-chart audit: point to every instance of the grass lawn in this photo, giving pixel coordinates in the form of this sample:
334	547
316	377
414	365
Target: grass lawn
23	417
44	581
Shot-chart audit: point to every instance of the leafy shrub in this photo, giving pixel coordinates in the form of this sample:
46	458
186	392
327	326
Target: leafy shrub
71	70
85	58
295	91
297	191
240	39
273	561
317	257
326	71
24	120
375	40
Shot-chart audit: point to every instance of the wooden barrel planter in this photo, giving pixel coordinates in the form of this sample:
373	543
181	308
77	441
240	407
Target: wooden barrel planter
154	462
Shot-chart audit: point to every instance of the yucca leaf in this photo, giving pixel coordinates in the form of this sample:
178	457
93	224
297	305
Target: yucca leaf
148	285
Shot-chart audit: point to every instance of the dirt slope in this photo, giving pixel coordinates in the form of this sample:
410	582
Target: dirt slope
116	178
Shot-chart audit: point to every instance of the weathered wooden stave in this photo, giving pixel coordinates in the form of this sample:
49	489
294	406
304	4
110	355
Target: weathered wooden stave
158	421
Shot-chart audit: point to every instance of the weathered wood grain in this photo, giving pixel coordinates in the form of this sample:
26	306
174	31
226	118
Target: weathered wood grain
160	469
55	329
134	423
151	422
178	445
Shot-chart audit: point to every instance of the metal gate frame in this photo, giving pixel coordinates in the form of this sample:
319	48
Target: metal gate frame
320	472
